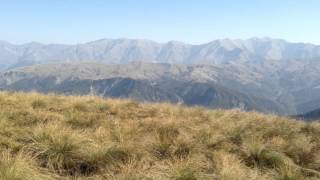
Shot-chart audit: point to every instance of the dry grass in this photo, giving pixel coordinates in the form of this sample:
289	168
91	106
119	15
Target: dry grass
57	137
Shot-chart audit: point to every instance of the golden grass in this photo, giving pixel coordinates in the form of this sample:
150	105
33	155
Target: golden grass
58	137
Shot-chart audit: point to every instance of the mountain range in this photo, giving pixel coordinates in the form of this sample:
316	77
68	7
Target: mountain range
131	50
263	74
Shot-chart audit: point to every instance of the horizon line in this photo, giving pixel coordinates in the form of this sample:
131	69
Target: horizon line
162	42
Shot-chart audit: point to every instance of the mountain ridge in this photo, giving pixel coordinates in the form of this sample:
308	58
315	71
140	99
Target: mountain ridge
130	50
254	38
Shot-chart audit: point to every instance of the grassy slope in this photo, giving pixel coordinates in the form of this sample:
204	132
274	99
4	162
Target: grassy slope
57	137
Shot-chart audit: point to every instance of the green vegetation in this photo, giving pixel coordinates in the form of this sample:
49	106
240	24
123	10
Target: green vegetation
58	137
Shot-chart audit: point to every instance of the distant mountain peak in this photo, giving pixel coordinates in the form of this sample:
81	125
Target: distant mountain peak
126	50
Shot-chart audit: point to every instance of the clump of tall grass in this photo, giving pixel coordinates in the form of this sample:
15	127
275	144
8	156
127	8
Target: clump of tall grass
21	166
58	148
38	103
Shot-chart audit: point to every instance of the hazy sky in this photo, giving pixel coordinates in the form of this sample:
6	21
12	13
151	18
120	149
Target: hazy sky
193	21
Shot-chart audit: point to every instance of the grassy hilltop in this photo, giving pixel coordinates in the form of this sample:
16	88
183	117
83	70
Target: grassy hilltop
58	137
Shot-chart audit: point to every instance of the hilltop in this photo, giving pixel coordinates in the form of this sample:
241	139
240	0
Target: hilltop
74	137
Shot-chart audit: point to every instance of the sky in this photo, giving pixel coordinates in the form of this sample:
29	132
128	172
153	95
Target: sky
190	21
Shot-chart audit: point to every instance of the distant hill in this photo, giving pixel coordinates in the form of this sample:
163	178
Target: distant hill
310	116
189	85
273	87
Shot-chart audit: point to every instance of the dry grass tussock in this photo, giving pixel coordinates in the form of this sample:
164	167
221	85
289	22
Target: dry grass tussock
58	137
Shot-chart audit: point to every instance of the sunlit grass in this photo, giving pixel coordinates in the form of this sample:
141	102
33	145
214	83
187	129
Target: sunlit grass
58	137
